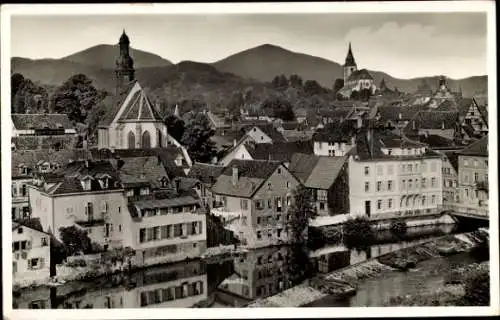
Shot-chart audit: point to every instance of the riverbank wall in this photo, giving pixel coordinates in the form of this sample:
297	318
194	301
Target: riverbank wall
343	282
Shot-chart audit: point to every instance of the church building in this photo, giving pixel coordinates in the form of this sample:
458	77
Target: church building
355	80
131	122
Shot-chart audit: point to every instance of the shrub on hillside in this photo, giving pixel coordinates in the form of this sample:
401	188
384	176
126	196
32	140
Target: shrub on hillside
358	233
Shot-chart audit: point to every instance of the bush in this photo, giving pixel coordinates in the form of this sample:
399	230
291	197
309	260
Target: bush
477	289
77	263
399	228
358	233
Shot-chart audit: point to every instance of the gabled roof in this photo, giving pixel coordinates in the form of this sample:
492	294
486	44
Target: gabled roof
41	121
436	141
94	169
362	74
434	120
280	151
114	104
251	175
32	223
271	132
315	171
482	110
392	113
206	173
339	113
139	108
166	203
148	169
366	149
335	132
30	158
167	155
478	148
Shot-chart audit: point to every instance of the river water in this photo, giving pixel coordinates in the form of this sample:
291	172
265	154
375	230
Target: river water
238	281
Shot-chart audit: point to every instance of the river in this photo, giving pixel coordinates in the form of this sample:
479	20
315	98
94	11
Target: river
254	274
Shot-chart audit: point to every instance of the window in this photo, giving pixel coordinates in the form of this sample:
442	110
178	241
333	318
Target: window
410	184
380	170
259	204
389	203
433	182
288	184
389	185
367	171
379	204
23	190
269	204
379	186
476	163
279	170
367	186
20	230
424	167
424	183
433	199
416	184
244	204
416	167
44	242
14	190
322	206
259	236
390	169
403	184
423	200
410	168
278	204
258	220
269	186
476	177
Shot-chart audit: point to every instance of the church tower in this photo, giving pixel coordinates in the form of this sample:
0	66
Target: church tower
349	65
124	71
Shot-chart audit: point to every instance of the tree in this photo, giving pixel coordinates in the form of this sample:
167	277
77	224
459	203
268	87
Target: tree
355	95
296	81
236	101
312	87
75	240
197	138
16	81
365	94
300	212
175	127
29	97
278	108
339	84
93	118
76	97
280	82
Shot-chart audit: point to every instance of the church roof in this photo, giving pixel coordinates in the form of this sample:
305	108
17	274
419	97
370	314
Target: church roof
362	74
139	108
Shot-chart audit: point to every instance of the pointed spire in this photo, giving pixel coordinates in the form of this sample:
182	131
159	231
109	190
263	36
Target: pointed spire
349	60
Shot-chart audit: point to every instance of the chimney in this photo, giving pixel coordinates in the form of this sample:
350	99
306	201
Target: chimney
269	157
235	175
442	125
414	125
400	116
87	163
234	142
353	140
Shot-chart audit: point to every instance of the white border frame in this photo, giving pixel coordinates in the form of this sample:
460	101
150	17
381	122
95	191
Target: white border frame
239	8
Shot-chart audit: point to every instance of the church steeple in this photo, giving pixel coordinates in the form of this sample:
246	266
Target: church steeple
124	71
349	65
349	59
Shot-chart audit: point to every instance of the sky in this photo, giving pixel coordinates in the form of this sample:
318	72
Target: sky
405	45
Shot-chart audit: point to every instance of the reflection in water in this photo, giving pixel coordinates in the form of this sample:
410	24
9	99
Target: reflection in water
234	283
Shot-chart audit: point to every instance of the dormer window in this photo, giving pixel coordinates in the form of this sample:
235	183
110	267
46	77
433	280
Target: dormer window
164	182
86	183
144	191
178	161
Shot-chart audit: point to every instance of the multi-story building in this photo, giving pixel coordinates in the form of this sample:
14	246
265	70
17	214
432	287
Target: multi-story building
88	195
207	174
391	175
254	197
450	177
334	140
30	253
165	230
473	177
475	116
327	180
442	123
28	163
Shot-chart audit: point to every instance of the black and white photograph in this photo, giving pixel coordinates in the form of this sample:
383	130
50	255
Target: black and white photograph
232	156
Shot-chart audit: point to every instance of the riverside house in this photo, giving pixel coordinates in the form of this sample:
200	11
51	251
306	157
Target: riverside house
473	177
87	195
326	178
253	197
390	176
30	253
